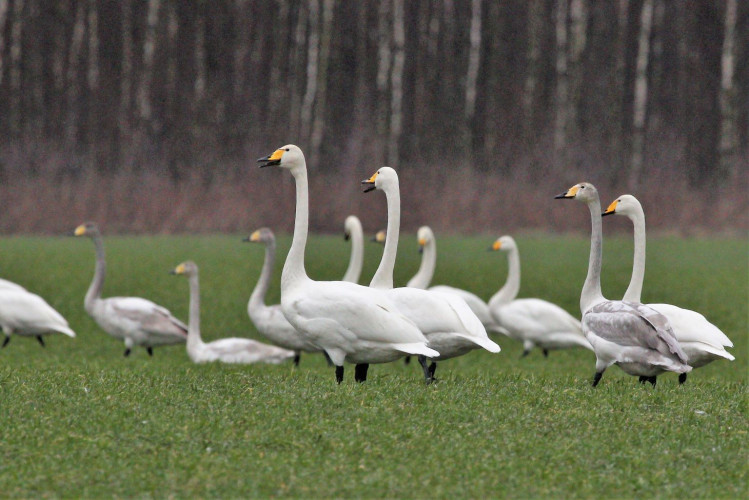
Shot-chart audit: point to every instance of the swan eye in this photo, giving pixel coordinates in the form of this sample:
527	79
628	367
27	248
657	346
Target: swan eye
287	150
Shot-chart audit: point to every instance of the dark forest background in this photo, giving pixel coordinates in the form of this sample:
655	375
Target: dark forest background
148	115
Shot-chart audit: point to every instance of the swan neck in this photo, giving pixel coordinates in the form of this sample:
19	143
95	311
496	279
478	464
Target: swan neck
591	293
634	291
353	272
193	326
383	277
510	289
293	269
424	275
257	298
97	283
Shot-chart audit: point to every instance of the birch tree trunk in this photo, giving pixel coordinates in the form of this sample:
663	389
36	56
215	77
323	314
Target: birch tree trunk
313	54
295	106
562	85
396	83
145	111
201	72
577	42
641	95
728	143
74	56
533	55
16	96
126	83
318	123
383	71
473	62
3	20
92	76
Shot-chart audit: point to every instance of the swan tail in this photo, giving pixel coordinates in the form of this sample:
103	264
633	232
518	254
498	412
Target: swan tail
416	348
486	343
65	330
701	347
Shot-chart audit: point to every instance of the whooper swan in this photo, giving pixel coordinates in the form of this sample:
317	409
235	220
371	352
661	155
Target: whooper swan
230	350
634	336
445	319
534	322
27	314
701	341
352	230
136	321
350	322
269	320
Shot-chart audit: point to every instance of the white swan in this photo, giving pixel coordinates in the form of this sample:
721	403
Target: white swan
269	320
350	322
423	277
229	350
445	319
136	321
353	231
9	285
534	322
634	336
27	314
702	341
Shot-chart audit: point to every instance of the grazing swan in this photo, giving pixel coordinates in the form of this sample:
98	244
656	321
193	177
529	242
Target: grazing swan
701	341
634	336
428	250
138	322
353	231
231	350
534	322
27	314
447	322
269	320
350	322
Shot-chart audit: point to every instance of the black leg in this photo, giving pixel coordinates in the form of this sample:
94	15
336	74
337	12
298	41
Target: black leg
339	374
525	353
296	359
642	379
406	360
327	358
360	372
652	380
5	342
432	369
423	362
546	353
41	340
127	352
597	378
149	350
682	378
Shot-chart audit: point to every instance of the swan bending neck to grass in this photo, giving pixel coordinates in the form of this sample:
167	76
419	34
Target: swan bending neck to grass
352	323
229	350
27	314
534	322
136	321
631	335
269	320
702	341
352	230
446	320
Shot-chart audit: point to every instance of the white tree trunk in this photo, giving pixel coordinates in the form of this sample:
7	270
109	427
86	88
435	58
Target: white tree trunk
729	141
562	86
74	54
92	76
534	34
396	83
313	54
318	123
473	61
641	94
149	48
577	41
126	82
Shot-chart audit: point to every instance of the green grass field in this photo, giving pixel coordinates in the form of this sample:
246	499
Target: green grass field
80	420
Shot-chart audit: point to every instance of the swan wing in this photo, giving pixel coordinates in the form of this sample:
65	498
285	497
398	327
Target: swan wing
27	313
144	315
273	325
691	326
241	350
478	306
436	312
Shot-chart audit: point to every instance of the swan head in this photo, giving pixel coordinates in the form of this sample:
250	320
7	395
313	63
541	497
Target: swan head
188	268
626	204
379	237
585	192
350	225
383	179
289	156
425	236
504	243
262	235
86	229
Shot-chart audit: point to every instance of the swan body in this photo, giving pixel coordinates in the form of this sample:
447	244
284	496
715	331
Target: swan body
353	231
702	341
134	320
350	322
27	314
269	319
534	322
229	350
9	285
633	336
445	319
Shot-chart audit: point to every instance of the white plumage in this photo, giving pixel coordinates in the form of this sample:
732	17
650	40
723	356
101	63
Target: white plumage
702	341
9	285
350	322
136	321
27	314
228	350
634	336
352	231
534	322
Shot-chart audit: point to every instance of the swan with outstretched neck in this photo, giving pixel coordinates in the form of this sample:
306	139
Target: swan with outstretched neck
534	322
446	320
269	319
352	323
228	350
702	341
631	335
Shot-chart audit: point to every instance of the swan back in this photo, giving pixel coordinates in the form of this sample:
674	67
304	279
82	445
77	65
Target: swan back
25	313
